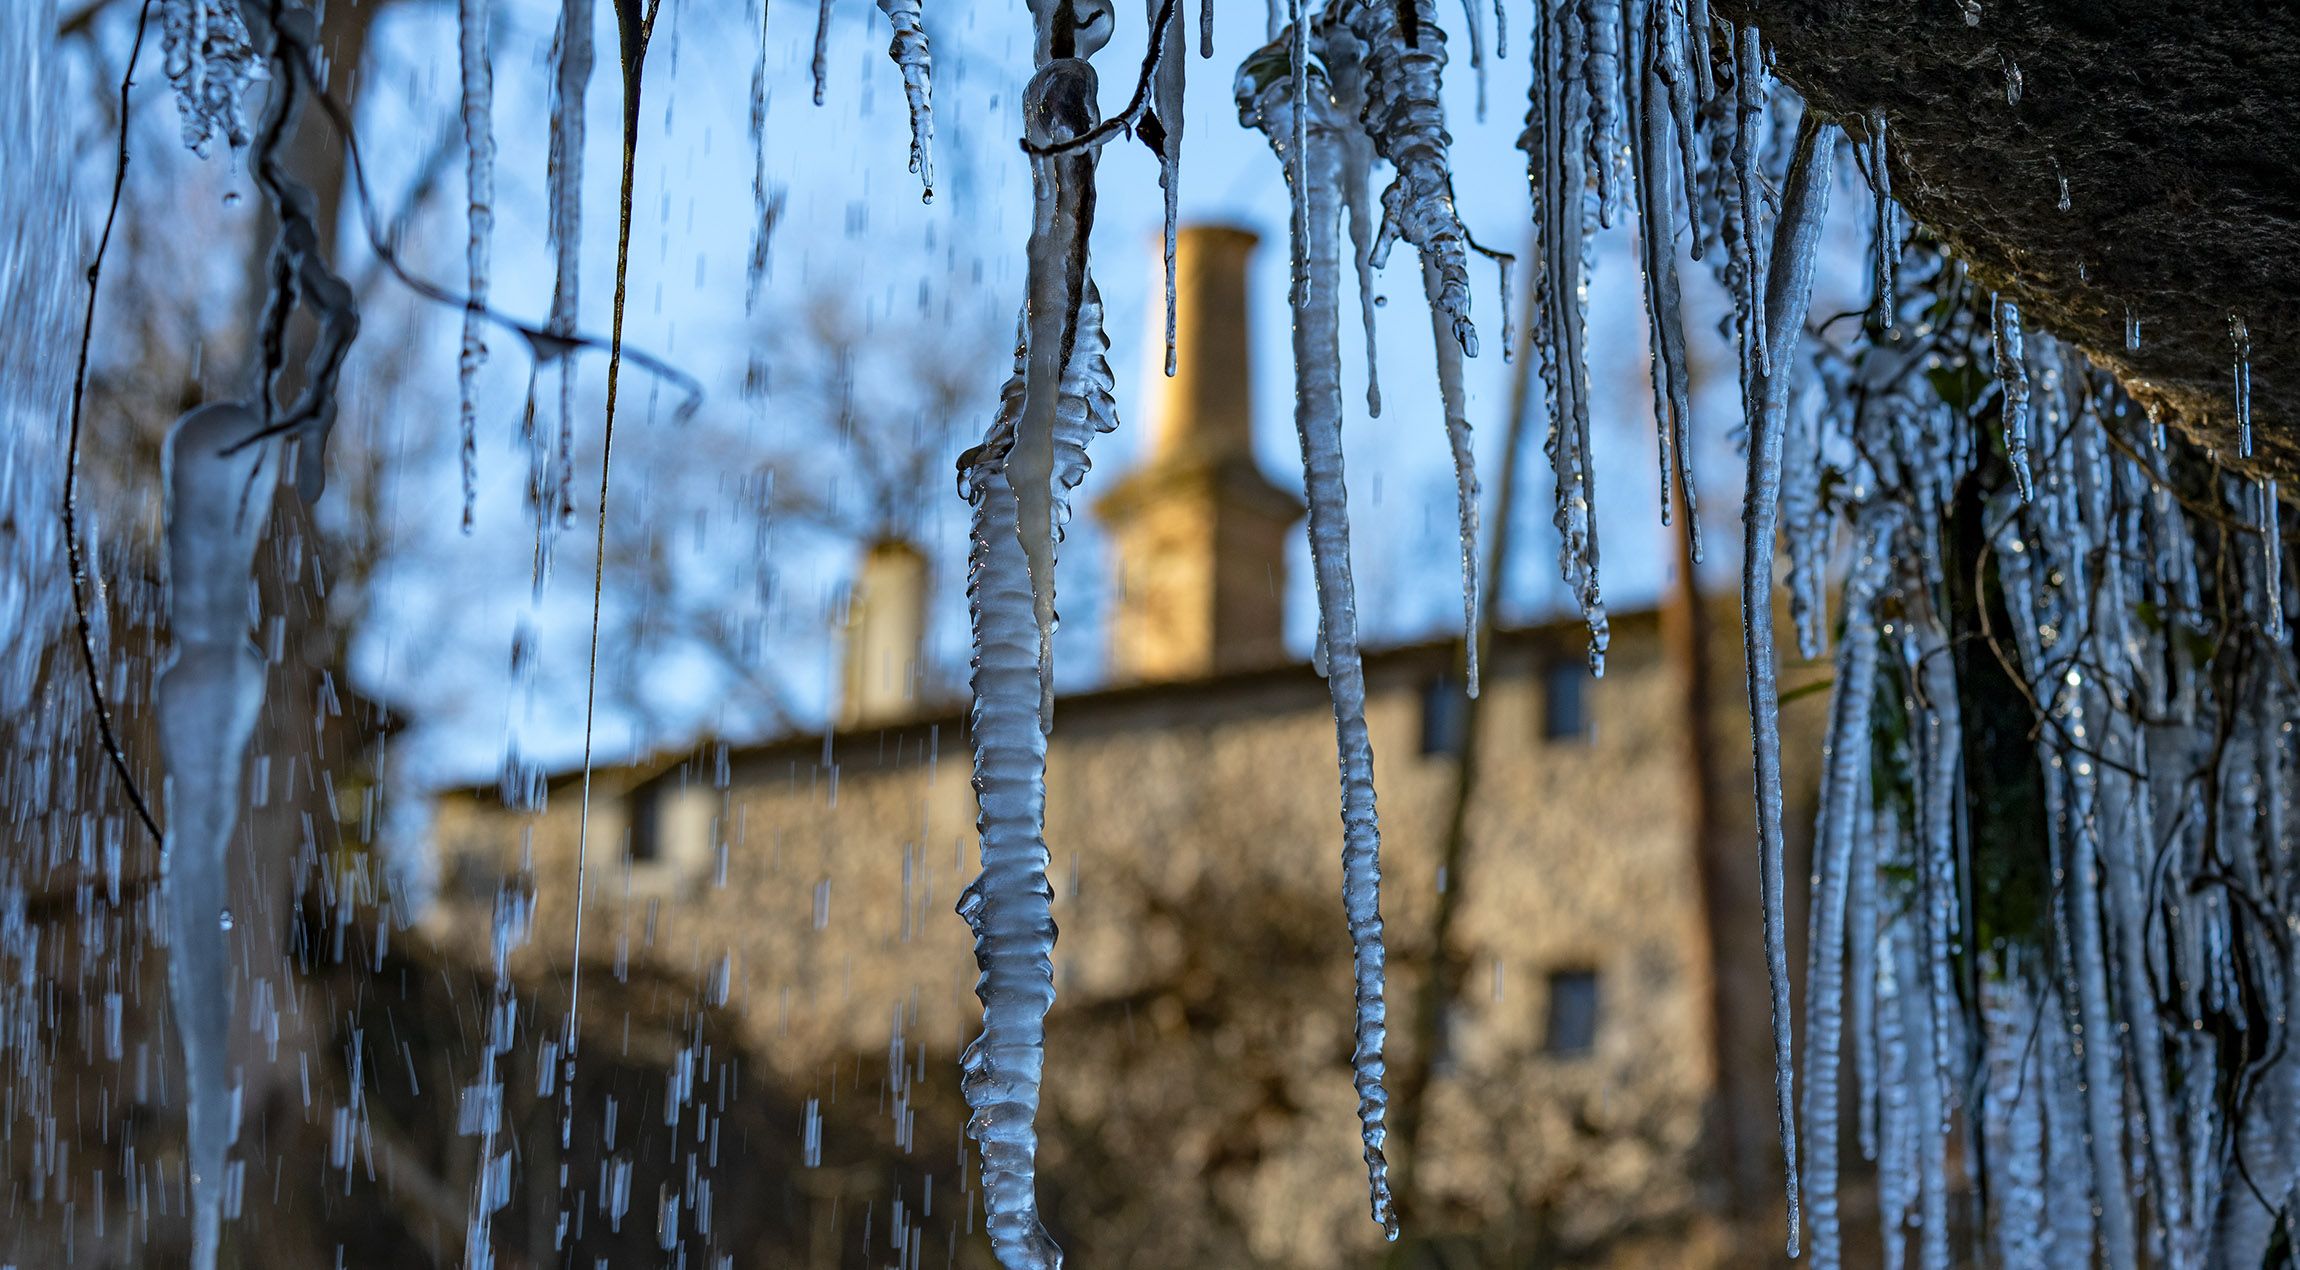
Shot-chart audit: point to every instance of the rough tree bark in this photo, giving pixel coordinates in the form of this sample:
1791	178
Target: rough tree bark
2172	126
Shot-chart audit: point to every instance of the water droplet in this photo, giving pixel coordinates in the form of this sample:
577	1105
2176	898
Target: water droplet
227	919
231	198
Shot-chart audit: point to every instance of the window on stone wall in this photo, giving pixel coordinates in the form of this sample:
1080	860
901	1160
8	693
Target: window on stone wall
1572	1012
646	842
1445	707
1564	715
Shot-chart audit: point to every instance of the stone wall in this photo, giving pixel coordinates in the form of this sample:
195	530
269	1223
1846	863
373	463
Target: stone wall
1198	1102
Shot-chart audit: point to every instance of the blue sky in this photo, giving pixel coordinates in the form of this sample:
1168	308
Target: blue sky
854	223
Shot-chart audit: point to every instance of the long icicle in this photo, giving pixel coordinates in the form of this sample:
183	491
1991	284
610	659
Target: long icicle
1844	791
478	76
1265	100
1058	106
1788	291
208	695
1009	906
1672	393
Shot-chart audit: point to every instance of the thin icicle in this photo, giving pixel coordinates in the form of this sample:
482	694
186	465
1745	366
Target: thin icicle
478	74
1454	400
1556	123
2271	526
1845	788
1058	106
1672	395
2013	1125
570	83
1345	67
910	53
1666	57
1402	114
2006	345
821	63
1010	905
1600	67
1164	130
1788	291
1407	123
1888	230
1473	22
762	223
1698	26
1266	101
1751	90
208	697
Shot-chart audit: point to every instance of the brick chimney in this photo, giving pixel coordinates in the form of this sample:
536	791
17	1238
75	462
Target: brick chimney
885	636
1200	533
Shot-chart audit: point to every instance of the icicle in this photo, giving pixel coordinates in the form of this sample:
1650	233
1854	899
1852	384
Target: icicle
1407	124
2013	1128
2131	330
1697	23
1788	290
570	82
909	51
1163	129
2012	376
1453	399
1666	58
1601	77
1345	66
1402	115
1751	92
1010	905
478	74
1266	101
2271	527
1671	378
1473	22
821	63
1888	231
1847	765
1058	105
219	495
212	63
1806	528
1556	119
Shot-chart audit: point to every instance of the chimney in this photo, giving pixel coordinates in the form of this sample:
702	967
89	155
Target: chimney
885	635
1199	532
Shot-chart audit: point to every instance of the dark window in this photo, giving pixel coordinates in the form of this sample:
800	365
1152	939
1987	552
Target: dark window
1572	1012
1444	711
646	805
1563	718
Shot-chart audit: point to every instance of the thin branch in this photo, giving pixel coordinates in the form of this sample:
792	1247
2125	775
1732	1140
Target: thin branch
78	560
1137	106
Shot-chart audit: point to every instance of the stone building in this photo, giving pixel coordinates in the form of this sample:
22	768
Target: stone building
1595	1087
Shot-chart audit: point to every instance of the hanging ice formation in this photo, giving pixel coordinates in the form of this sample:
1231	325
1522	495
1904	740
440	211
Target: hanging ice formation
211	61
909	52
1019	481
219	494
478	76
1401	50
1268	100
2069	556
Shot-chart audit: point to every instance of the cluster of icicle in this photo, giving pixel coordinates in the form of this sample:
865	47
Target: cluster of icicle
2135	1033
2098	976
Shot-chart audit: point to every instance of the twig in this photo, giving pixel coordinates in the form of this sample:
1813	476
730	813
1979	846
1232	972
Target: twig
78	561
1136	106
